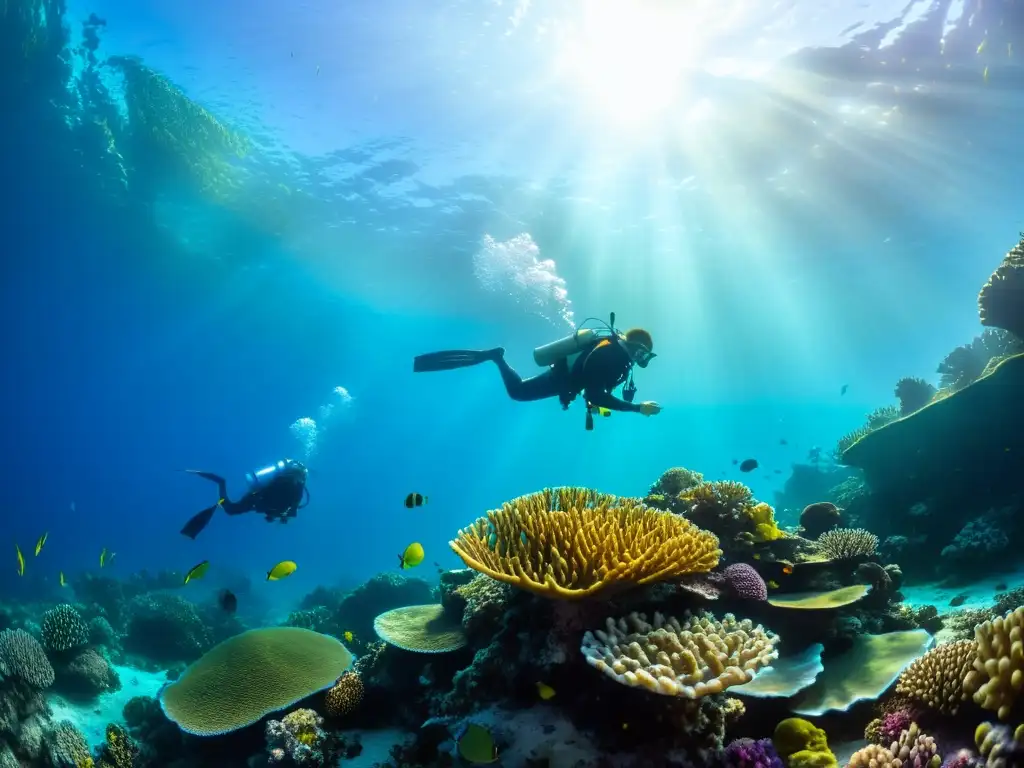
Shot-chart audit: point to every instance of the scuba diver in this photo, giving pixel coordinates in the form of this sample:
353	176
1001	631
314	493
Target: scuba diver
590	361
277	491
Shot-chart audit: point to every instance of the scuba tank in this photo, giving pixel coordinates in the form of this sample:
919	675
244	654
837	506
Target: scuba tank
549	354
261	478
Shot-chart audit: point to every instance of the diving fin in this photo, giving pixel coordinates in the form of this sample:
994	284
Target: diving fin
195	526
452	359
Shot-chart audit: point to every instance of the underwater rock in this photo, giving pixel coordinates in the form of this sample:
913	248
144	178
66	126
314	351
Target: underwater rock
966	447
979	547
165	628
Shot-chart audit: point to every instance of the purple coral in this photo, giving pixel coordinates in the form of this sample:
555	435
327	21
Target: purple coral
744	582
747	753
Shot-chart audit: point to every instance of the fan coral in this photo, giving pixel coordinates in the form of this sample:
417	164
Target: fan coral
21	656
1001	300
250	675
999	664
936	679
574	543
421	629
63	629
913	394
747	753
820	517
345	696
745	582
848	543
697	657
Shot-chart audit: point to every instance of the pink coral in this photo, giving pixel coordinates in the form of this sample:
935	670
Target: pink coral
893	724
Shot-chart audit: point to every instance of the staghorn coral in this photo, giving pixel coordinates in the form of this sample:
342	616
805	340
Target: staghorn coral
1001	299
820	517
936	679
913	394
848	543
22	657
346	694
574	543
998	672
250	675
691	659
63	629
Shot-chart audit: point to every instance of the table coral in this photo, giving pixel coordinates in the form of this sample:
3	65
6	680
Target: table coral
691	659
573	543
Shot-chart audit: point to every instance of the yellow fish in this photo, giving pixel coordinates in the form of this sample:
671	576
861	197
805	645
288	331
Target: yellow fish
348	636
282	569
40	542
773	585
63	581
983	44
545	691
197	571
21	560
412	556
103	557
984	75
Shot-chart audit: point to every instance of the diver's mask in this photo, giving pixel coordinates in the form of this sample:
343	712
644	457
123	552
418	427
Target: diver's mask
639	354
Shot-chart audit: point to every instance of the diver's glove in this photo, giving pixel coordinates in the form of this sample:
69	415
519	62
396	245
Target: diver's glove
649	408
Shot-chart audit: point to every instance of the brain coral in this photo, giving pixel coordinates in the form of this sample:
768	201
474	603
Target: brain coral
745	582
998	673
691	659
574	543
63	629
937	677
23	657
250	675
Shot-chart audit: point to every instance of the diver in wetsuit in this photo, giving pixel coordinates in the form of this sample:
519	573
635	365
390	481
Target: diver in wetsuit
589	362
277	491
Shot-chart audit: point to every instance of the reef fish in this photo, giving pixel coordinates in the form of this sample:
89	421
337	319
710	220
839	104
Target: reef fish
545	691
476	745
227	601
41	542
412	556
842	389
748	465
415	500
21	560
282	569
63	581
197	571
349	637
103	557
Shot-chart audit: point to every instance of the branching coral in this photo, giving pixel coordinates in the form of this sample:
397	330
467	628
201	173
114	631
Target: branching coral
345	696
913	394
1001	300
691	659
998	673
848	543
63	629
574	543
936	679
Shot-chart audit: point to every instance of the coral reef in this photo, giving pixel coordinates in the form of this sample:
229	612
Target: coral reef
165	628
63	629
998	671
848	543
574	543
801	744
86	674
300	739
692	658
748	753
1001	299
421	629
999	747
66	747
667	490
345	695
913	394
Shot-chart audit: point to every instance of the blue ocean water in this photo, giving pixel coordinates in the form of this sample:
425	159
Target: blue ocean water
791	199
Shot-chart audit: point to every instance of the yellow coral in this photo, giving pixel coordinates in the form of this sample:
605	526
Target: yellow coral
763	518
690	659
801	744
574	543
998	673
937	677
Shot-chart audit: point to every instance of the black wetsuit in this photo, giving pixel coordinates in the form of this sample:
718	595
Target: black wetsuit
595	372
279	499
